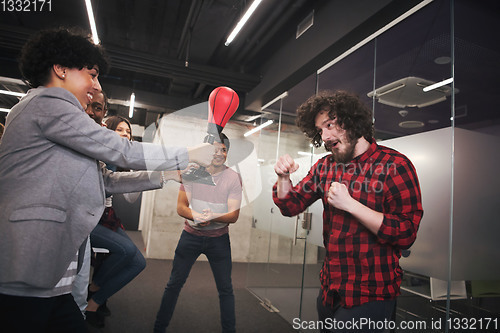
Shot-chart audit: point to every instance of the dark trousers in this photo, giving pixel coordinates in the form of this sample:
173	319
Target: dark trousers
189	248
121	266
368	317
58	314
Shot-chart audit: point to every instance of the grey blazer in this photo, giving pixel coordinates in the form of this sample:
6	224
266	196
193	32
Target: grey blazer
52	189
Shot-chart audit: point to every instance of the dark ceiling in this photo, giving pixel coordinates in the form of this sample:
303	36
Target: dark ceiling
171	53
421	46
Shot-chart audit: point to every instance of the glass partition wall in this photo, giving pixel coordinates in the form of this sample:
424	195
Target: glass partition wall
276	273
451	272
475	253
419	124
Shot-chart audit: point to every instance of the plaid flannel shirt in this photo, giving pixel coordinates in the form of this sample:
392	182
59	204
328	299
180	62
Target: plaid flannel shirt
359	265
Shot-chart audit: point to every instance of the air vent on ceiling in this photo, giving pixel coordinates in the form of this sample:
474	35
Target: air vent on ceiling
408	92
305	24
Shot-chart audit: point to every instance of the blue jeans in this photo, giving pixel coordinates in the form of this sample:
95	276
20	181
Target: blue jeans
189	248
124	263
376	312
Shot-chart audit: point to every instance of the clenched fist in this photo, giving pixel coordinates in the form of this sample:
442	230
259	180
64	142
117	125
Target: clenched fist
339	197
285	166
202	154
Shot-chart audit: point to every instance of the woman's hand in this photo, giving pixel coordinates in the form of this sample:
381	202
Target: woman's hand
202	154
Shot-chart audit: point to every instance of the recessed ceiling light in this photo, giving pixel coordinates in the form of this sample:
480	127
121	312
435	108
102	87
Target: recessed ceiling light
442	60
411	124
403	113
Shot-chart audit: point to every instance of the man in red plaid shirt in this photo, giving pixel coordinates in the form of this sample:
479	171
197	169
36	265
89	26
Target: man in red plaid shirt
372	210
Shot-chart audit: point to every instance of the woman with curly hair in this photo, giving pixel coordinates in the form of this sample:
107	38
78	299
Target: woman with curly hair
53	188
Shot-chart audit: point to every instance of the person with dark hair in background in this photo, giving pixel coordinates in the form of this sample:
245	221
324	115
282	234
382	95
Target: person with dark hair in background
125	261
53	187
372	209
121	126
208	211
98	108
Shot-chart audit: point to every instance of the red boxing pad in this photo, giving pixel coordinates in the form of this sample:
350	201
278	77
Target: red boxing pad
222	104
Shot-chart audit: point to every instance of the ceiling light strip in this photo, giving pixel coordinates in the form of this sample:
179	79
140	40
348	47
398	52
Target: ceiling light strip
131	108
258	128
93	27
242	21
12	93
4	110
4	79
304	153
438	84
283	95
380	94
374	35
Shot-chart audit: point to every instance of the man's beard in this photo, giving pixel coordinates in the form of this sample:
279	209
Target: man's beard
344	156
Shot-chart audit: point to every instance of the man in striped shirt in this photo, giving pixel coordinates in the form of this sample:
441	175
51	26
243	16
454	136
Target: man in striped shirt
372	209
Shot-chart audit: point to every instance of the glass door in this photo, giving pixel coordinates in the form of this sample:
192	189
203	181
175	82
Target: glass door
280	249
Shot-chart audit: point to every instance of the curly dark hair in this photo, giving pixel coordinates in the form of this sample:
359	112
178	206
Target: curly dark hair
65	47
352	115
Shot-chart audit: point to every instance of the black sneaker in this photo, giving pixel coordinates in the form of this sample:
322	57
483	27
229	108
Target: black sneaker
104	310
94	318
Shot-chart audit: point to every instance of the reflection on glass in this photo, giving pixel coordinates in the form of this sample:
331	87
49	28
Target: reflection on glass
455	158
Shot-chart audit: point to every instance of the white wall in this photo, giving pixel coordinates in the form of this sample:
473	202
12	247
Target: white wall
476	202
250	242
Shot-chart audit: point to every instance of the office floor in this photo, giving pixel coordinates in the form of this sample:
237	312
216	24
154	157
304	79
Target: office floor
134	307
